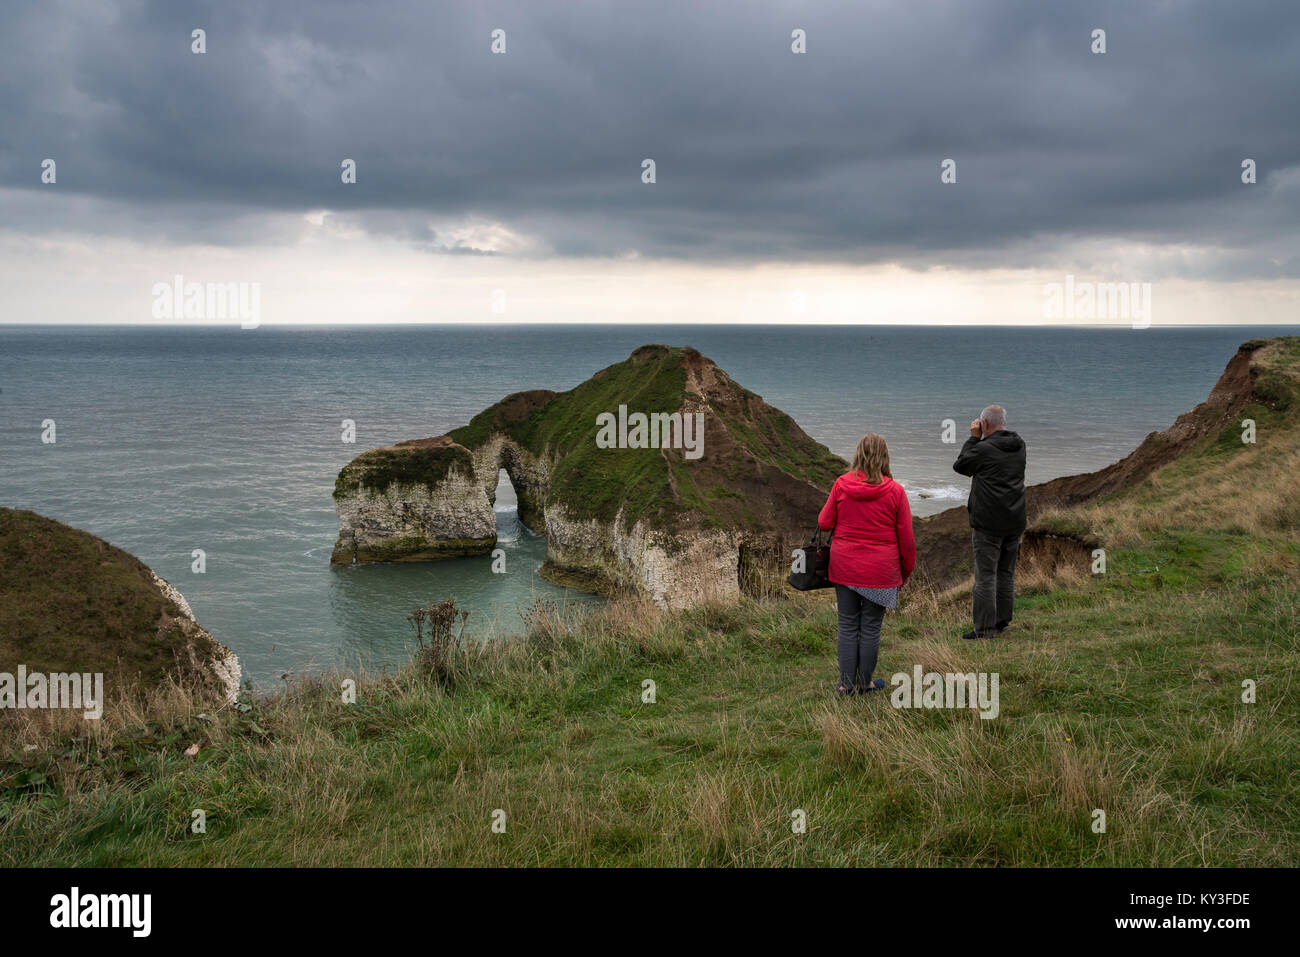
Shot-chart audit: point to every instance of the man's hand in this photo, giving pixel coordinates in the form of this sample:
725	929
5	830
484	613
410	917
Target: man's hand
976	430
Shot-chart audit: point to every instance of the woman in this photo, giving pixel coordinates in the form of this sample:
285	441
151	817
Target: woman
872	556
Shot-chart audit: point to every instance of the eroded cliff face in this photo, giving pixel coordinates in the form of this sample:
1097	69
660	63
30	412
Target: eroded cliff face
455	517
672	569
448	517
406	522
529	474
202	651
653	521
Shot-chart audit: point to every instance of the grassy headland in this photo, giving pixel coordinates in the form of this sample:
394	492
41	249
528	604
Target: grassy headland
752	445
71	602
1121	692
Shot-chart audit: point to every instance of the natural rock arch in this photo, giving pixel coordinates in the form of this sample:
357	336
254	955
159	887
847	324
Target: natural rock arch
657	520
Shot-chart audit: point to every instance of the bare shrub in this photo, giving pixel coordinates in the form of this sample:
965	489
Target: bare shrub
443	657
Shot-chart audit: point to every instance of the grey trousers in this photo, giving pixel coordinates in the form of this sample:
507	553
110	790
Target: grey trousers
995	578
858	642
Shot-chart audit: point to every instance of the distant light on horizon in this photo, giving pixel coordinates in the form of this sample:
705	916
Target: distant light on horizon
363	281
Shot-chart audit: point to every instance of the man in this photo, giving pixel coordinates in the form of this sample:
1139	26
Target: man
994	458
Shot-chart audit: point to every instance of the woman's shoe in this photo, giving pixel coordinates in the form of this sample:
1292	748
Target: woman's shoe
876	685
842	691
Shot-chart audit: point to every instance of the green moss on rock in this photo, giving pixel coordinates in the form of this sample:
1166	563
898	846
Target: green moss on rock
424	462
412	549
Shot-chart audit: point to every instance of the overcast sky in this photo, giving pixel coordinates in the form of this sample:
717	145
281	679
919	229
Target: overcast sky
788	186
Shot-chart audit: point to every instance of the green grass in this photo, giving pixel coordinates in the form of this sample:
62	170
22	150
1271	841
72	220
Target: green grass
599	482
1123	694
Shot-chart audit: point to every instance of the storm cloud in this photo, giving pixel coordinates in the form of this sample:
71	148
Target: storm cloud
761	154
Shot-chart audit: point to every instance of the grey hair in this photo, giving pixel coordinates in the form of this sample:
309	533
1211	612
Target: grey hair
995	417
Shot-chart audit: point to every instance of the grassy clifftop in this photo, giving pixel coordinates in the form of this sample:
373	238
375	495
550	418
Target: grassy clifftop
1121	692
71	602
414	462
1223	480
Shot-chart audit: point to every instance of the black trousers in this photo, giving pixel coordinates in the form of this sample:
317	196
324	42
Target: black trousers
995	578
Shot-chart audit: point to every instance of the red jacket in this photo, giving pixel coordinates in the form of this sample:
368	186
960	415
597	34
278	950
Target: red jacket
873	545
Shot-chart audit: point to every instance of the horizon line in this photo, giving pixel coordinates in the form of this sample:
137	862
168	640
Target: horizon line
235	324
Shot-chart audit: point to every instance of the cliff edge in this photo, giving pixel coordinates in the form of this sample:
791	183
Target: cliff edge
1261	382
73	603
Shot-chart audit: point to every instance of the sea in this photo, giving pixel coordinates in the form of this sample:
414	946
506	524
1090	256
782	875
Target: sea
175	440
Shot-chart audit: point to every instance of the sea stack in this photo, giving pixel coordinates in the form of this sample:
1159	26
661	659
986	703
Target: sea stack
659	475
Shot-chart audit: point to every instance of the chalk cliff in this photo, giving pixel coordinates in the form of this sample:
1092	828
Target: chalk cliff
681	519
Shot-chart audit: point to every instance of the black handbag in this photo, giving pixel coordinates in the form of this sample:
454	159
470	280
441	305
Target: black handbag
811	564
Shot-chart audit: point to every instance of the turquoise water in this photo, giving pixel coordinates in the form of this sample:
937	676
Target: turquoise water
228	440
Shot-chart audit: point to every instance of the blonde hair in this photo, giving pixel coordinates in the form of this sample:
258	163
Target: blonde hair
871	458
